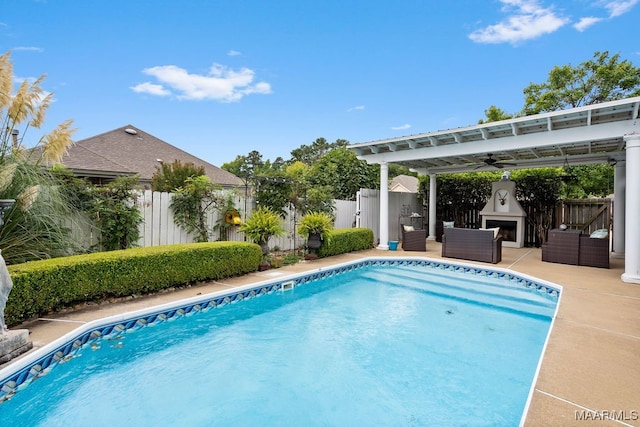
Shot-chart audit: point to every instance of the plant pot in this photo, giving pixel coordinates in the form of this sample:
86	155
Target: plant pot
314	241
264	265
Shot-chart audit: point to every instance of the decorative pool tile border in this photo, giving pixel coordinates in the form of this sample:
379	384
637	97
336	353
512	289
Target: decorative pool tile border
33	370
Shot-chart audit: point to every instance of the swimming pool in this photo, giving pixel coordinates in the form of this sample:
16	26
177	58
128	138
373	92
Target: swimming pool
380	341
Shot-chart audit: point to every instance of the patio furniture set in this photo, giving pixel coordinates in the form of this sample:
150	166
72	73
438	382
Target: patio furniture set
485	245
576	248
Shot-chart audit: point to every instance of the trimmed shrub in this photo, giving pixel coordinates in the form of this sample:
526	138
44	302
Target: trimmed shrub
44	286
346	240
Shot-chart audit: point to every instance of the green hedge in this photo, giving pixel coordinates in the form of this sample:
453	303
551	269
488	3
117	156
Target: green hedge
345	240
44	286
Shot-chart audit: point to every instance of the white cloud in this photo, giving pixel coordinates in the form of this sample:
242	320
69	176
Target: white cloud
220	84
403	127
28	48
586	22
151	89
233	53
619	7
357	107
527	20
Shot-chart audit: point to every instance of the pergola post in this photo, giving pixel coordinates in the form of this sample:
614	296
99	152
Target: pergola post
384	206
619	196
632	211
432	206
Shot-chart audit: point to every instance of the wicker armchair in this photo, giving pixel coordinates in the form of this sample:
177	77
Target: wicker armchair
415	240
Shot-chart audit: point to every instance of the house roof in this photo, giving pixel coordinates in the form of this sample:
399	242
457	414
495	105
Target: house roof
129	150
404	183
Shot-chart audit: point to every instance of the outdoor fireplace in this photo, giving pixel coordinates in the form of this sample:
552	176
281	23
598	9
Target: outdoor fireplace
508	229
503	210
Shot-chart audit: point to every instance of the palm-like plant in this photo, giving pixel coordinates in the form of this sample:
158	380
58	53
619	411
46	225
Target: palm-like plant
319	223
263	224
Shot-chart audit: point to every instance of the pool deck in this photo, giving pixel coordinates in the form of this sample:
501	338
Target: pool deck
592	359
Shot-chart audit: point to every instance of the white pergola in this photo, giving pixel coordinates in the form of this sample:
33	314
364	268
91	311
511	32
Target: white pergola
605	132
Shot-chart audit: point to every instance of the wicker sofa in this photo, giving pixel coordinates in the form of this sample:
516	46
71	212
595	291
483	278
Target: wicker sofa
575	248
472	244
414	240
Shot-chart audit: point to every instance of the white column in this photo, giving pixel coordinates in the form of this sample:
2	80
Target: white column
384	206
432	207
619	197
632	212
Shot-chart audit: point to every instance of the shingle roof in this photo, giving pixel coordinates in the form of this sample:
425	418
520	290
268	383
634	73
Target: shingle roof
129	150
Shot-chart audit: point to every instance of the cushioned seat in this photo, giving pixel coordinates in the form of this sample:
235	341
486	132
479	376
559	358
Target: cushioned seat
414	240
575	248
472	244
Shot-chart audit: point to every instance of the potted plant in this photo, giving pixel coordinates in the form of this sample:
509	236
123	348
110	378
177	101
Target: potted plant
261	226
315	227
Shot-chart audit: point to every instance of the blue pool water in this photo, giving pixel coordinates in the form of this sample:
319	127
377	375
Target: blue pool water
376	345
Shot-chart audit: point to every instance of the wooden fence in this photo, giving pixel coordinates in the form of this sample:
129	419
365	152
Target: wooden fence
586	215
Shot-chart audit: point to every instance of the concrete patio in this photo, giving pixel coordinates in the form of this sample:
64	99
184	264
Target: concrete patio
592	361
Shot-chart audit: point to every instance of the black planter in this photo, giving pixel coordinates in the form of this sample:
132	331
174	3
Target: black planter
314	241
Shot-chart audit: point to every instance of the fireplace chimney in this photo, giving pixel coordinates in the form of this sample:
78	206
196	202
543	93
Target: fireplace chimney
503	210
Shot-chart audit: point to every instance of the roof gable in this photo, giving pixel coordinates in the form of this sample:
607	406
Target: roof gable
404	183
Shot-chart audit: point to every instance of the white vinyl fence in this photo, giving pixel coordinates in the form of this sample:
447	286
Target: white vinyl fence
401	207
159	228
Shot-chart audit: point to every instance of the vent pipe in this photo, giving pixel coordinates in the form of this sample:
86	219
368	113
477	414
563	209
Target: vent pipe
14	138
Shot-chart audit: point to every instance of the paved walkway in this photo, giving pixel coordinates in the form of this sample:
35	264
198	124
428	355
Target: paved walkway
592	361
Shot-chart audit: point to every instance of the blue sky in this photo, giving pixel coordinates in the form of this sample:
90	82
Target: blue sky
222	78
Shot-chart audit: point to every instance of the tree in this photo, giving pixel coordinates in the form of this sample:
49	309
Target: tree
538	190
460	193
603	78
192	202
246	167
271	186
117	214
589	181
339	163
36	226
396	170
274	191
168	177
495	114
310	154
263	224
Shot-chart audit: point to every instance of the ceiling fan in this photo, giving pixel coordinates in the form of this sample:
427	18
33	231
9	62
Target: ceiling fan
490	161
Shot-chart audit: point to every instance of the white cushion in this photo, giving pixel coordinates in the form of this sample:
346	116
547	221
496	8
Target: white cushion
495	230
602	233
408	228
